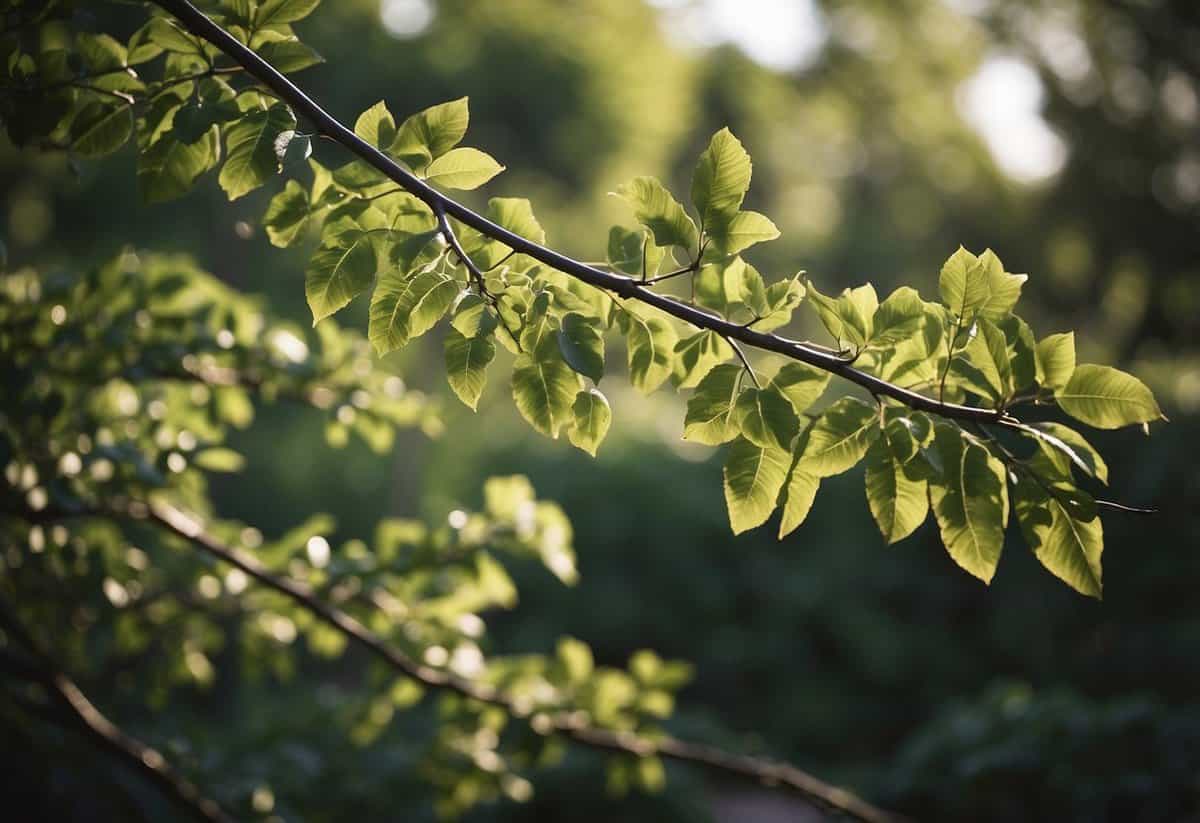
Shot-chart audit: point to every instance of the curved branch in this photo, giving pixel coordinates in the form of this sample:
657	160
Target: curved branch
104	733
190	528
202	26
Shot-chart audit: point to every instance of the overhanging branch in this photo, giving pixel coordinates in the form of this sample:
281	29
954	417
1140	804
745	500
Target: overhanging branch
202	26
186	526
142	758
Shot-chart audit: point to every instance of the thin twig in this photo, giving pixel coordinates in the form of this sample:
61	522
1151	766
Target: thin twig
192	529
103	732
677	273
475	272
745	362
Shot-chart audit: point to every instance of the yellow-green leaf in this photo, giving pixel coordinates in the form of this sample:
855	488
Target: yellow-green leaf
1069	548
582	346
467	359
840	437
766	418
462	168
651	343
429	134
898	502
753	477
338	273
798	496
658	211
592	416
1056	359
696	356
406	306
1107	398
250	149
544	389
970	503
709	418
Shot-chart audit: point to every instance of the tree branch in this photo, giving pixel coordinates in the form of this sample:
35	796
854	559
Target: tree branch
107	735
202	26
191	528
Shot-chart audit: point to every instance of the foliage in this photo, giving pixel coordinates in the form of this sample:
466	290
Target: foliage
1103	760
969	348
127	423
418	279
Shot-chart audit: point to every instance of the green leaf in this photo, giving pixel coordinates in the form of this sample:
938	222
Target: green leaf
1072	445
101	53
429	134
539	323
275	12
840	437
169	168
978	286
286	214
696	356
1069	548
783	296
512	213
404	307
167	34
970	504
1004	289
1056	359
473	317
745	285
376	126
963	283
720	181
289	55
848	318
360	177
899	317
907	433
250	148
898	502
1021	352
658	211
582	346
743	230
592	417
709	283
196	117
801	384
219	460
462	168
798	496
544	388
633	252
766	418
467	359
651	343
709	418
983	364
1107	398
98	129
921	357
753	478
339	272
576	659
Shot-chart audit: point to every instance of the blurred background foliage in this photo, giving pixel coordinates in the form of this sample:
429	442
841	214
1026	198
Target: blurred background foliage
1064	134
